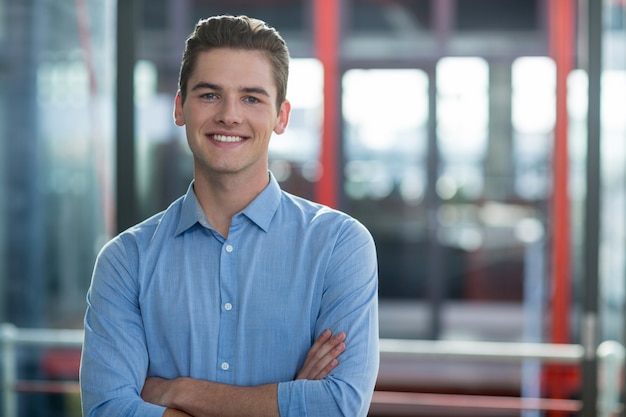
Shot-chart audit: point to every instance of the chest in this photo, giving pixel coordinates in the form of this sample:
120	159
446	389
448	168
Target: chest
244	283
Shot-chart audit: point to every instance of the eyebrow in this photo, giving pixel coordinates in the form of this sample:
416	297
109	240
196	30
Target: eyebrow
210	86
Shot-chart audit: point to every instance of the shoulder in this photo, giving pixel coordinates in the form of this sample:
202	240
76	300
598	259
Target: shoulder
132	241
310	211
322	217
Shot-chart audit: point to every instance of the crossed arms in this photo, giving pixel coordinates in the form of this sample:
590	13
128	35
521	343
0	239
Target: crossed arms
197	398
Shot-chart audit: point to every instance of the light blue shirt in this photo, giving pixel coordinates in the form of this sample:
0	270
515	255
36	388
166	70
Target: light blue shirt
172	297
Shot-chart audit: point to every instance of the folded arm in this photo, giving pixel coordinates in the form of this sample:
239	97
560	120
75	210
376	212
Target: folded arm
198	398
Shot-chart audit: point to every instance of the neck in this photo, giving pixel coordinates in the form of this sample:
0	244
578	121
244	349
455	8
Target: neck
223	196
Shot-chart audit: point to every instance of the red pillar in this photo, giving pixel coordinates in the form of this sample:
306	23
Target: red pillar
562	47
326	21
561	34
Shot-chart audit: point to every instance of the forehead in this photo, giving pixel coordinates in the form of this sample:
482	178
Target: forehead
229	67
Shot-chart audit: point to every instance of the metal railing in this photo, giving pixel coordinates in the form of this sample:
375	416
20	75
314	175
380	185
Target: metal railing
611	356
10	338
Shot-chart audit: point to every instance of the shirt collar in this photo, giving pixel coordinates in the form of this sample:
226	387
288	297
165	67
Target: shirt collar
188	213
260	211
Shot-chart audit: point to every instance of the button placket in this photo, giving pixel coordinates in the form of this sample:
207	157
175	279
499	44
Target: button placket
228	317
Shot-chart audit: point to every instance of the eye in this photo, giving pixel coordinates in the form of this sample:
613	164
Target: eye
208	96
251	99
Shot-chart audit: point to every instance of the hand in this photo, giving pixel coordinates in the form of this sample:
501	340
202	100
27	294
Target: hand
322	357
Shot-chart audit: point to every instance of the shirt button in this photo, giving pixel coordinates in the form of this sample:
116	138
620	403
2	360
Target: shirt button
228	306
225	366
229	248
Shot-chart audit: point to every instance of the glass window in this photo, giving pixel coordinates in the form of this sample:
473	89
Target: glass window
163	160
493	257
462	125
486	15
56	136
294	155
533	117
385	141
390	17
371	26
613	204
56	168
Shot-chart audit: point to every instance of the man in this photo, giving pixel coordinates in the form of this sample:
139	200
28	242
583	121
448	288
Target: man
239	299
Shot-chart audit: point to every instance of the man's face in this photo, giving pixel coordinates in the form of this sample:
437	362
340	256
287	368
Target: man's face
230	112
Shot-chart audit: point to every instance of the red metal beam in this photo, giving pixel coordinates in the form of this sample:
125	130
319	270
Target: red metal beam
561	35
387	401
562	48
326	21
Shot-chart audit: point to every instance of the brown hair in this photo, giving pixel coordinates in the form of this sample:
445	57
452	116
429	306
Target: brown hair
238	32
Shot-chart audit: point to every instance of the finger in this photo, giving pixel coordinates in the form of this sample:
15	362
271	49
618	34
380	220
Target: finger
325	343
310	357
308	362
329	362
324	346
320	359
323	338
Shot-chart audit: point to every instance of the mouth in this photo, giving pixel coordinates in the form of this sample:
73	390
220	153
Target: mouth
227	139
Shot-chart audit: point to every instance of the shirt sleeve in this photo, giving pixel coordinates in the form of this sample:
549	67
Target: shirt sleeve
114	358
349	304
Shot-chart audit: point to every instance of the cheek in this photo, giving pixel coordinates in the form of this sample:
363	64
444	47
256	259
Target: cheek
193	120
269	121
191	132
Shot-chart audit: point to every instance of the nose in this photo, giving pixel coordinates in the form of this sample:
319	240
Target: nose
228	112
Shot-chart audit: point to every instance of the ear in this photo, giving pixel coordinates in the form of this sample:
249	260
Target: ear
283	118
179	119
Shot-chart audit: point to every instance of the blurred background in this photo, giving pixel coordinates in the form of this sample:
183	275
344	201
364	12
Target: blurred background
482	142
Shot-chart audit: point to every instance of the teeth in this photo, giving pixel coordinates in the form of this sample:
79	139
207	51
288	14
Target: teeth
222	138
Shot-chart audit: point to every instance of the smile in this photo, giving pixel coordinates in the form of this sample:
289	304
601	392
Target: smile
228	139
